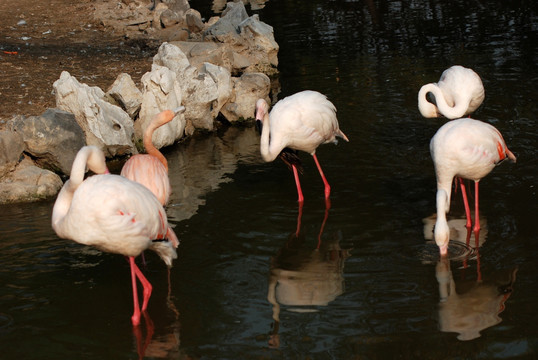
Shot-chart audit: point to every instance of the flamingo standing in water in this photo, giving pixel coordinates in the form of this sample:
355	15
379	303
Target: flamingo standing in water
302	121
468	149
115	215
459	92
151	169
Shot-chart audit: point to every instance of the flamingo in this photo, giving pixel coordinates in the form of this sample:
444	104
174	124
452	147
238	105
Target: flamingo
151	169
459	92
302	121
115	215
468	149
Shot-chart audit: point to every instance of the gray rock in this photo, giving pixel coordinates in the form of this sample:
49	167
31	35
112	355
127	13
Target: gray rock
29	183
105	125
247	90
11	148
194	21
52	139
126	94
228	25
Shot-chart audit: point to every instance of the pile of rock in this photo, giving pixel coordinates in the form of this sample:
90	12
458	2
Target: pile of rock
222	76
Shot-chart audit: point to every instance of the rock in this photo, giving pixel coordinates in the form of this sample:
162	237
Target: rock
126	94
11	148
198	53
259	36
247	90
198	88
169	18
194	21
52	139
105	125
179	6
161	91
29	183
223	80
228	25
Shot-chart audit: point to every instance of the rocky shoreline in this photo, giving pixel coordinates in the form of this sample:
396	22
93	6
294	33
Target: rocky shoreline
216	69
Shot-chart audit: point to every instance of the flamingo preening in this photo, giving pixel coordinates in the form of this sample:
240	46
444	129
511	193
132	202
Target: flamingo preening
115	215
302	121
151	169
468	149
459	92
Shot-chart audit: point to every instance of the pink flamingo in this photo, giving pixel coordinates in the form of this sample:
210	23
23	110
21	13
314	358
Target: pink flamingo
115	215
151	169
302	121
468	149
459	92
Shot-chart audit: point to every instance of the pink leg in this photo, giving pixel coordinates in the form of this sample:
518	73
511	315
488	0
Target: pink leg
298	183
136	314
466	204
322	227
476	217
299	217
327	186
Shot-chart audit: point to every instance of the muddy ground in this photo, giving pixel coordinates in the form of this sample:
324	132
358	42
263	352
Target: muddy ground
41	38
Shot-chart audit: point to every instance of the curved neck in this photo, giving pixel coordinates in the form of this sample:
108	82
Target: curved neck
269	152
150	148
451	112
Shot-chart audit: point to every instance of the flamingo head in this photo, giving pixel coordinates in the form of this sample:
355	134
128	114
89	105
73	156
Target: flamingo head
96	160
262	109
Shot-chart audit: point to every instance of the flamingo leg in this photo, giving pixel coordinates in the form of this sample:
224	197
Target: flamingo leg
322	227
465	203
476	217
327	186
299	216
136	273
298	183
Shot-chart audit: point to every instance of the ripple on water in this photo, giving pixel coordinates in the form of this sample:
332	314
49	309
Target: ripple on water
457	251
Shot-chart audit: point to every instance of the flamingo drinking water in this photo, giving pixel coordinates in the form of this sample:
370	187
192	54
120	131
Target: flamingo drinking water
468	149
302	121
115	215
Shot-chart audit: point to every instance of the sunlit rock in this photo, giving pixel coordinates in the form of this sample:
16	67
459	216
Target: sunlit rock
52	139
161	91
126	94
105	125
247	90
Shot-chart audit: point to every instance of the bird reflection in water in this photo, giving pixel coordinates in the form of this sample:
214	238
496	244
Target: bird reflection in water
304	277
469	306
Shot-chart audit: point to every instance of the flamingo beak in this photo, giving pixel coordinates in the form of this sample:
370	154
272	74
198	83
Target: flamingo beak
179	110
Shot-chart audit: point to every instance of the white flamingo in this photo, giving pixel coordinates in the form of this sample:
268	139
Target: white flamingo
459	92
302	121
468	149
115	215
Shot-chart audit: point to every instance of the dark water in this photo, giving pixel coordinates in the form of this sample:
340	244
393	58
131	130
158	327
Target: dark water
376	286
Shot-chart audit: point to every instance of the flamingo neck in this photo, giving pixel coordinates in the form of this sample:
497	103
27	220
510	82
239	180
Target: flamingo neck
442	231
269	152
449	111
150	148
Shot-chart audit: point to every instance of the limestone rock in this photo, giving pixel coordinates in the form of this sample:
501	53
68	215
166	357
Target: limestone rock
29	183
52	139
11	148
247	89
105	125
194	21
223	80
161	91
126	94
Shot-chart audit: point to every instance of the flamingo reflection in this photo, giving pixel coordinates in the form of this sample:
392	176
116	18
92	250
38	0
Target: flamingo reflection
304	277
471	306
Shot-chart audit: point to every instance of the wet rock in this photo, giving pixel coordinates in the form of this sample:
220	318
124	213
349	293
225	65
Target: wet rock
11	148
247	90
105	125
52	139
126	94
161	91
29	183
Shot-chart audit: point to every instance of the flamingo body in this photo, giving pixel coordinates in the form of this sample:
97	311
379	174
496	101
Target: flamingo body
302	121
459	92
468	149
114	214
151	169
